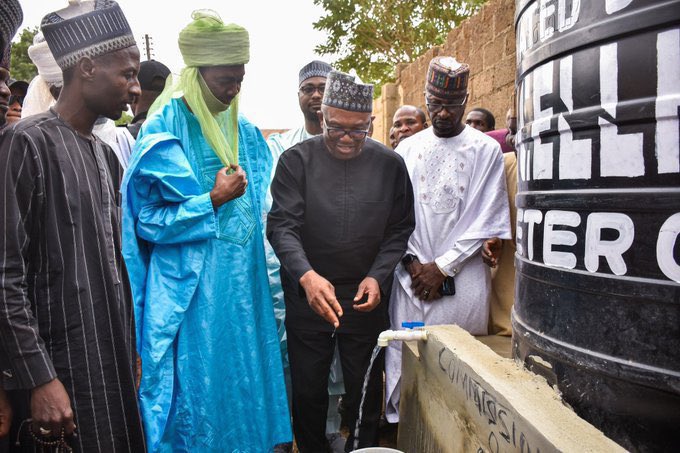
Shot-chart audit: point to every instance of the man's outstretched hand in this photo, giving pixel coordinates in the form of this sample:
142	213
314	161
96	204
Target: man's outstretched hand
368	287
321	297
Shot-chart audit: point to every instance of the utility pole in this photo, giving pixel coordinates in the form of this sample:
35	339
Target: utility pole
147	45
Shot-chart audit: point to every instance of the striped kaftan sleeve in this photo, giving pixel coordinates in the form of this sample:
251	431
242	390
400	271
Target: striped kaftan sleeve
21	194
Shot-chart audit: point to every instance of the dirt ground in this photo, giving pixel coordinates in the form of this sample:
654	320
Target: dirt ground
388	436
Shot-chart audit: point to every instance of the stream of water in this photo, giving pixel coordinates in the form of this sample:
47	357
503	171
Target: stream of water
376	351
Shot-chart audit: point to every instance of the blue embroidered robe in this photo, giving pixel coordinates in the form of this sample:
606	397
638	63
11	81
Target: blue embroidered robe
212	377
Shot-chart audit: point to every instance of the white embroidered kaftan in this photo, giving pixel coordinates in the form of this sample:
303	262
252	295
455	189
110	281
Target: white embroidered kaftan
460	201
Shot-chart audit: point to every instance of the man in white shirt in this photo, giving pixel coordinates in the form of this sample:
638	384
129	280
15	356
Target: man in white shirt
460	200
312	83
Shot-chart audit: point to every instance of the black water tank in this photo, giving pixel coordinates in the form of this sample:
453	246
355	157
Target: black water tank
598	274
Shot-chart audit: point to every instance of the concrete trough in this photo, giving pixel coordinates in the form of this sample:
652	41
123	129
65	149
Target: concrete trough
457	395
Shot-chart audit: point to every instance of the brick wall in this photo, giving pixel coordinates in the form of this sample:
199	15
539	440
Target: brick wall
485	41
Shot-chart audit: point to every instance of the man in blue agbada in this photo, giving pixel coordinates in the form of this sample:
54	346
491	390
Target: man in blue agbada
193	197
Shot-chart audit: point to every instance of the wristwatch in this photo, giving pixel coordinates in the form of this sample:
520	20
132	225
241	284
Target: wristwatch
408	259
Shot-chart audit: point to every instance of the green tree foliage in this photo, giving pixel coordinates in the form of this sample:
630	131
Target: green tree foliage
372	36
22	68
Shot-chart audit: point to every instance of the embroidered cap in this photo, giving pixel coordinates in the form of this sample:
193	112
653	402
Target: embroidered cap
447	78
86	29
316	68
344	93
11	17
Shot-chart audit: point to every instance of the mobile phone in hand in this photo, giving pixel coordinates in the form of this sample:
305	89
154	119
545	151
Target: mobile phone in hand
448	287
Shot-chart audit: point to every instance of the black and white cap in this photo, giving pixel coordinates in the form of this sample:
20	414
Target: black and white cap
343	92
11	17
316	68
86	29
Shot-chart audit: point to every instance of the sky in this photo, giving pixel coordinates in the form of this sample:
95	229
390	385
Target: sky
282	40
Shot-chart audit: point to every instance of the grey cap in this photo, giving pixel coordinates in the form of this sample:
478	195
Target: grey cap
316	68
11	16
99	27
344	93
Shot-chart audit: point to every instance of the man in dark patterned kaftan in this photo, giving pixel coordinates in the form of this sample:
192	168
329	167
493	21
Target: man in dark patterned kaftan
66	326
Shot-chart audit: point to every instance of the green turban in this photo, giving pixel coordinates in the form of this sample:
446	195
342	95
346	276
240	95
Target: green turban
207	41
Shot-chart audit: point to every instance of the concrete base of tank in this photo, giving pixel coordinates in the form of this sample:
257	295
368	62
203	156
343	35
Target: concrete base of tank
457	395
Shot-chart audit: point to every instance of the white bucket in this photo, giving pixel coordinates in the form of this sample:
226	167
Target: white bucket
377	450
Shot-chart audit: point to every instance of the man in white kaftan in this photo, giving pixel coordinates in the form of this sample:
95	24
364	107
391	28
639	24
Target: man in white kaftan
312	79
460	200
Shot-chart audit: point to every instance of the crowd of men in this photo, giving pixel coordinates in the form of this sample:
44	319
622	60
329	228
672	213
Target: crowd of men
181	284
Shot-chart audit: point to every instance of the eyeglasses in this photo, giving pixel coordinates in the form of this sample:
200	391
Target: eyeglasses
310	89
336	133
19	99
436	108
